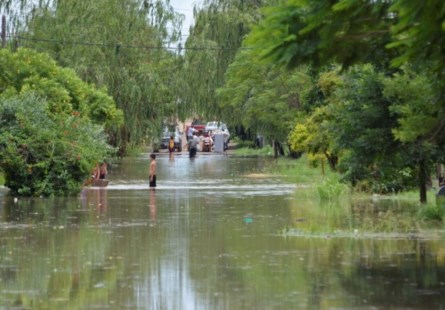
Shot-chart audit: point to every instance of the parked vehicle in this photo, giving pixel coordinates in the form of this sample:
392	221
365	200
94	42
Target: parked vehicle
211	126
215	125
165	138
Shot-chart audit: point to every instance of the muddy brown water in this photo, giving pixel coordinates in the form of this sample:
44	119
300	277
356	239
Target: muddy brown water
215	234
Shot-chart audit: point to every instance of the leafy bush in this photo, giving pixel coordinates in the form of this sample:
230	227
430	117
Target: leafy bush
46	154
28	71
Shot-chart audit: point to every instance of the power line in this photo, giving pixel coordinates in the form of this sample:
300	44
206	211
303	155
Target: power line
120	46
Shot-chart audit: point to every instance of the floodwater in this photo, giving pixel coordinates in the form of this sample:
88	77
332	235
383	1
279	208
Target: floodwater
215	234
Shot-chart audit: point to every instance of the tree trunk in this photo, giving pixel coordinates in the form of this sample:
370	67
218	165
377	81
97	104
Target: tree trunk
3	34
332	160
423	178
275	149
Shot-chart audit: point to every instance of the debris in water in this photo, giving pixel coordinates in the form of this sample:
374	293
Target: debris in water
248	219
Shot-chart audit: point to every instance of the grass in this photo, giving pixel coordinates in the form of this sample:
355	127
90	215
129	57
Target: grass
325	184
245	150
301	171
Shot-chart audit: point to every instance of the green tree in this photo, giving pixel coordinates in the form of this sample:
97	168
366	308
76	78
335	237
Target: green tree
384	33
322	32
354	31
265	100
120	45
220	27
363	125
420	121
28	71
51	125
311	133
43	154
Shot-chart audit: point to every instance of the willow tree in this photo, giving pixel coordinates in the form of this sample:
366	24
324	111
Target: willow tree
214	40
121	45
265	100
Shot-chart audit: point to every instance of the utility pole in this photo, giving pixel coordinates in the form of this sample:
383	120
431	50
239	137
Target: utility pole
3	31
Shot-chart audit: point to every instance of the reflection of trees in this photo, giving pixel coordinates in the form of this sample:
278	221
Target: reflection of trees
406	274
239	265
72	256
57	268
244	268
60	254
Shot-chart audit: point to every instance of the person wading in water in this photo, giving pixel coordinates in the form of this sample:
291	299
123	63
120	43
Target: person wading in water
152	172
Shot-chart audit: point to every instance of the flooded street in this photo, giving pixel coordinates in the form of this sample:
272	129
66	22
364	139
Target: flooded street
215	234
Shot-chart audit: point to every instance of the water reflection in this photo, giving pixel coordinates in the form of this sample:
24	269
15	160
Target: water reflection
153	205
210	236
95	197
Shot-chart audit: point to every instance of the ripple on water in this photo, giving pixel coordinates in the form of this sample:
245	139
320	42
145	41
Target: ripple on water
210	187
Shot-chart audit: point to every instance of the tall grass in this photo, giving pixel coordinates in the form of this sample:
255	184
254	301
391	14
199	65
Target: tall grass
326	185
331	189
301	171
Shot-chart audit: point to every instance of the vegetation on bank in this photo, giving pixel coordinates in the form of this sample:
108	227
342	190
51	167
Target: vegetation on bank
52	125
367	100
329	188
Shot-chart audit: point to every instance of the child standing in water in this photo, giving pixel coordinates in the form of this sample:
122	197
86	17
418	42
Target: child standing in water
152	172
171	146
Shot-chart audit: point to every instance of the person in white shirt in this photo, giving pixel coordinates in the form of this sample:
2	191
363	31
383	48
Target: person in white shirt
190	132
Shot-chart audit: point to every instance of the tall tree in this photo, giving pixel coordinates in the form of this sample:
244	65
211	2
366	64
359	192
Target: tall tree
214	40
265	100
117	44
384	33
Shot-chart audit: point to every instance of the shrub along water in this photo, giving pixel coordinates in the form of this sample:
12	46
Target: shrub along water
327	205
51	125
46	155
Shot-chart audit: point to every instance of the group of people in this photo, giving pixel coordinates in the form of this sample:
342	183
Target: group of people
100	171
193	141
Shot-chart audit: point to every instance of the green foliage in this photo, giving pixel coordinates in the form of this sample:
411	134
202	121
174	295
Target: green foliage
43	154
116	45
312	135
265	100
220	27
432	212
51	125
27	71
250	151
319	32
414	102
331	189
362	128
418	31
